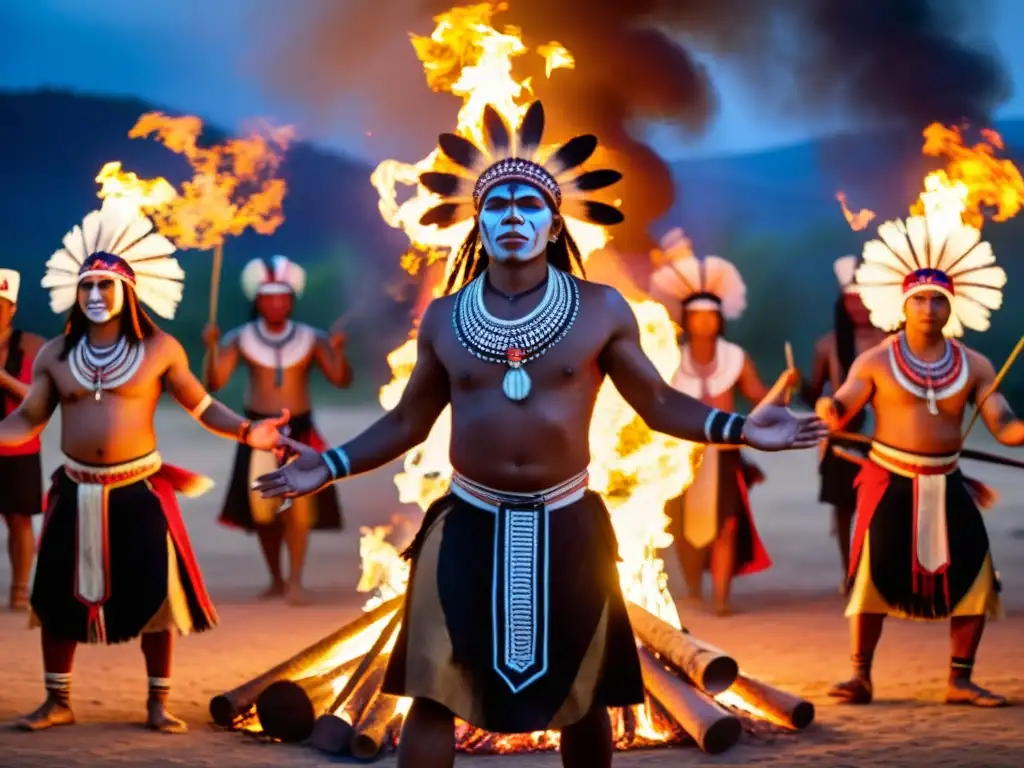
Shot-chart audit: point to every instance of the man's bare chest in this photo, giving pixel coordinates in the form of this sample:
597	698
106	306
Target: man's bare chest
572	362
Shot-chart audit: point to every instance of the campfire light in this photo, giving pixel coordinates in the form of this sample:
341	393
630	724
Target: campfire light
635	470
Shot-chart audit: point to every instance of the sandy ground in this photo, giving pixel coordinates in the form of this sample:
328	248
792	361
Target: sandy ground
789	631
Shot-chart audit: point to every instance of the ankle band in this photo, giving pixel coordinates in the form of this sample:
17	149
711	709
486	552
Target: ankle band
159	684
961	663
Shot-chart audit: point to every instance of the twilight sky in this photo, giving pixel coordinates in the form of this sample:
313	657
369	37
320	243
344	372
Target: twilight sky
208	57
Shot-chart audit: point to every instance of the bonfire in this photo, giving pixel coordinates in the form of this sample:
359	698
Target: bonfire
329	693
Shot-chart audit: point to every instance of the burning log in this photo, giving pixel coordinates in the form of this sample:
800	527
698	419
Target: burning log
372	729
708	668
333	733
783	708
712	727
226	708
288	709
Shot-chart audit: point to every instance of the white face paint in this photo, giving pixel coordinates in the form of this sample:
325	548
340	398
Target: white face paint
516	222
101	298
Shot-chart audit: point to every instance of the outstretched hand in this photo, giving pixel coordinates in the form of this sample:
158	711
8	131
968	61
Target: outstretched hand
305	473
266	434
771	426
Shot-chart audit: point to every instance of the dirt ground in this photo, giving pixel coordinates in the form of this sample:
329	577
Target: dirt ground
789	630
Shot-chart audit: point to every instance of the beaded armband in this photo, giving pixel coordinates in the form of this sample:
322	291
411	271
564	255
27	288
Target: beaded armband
724	428
337	462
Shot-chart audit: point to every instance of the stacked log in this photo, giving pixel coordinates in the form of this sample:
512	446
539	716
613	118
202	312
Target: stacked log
682	676
227	709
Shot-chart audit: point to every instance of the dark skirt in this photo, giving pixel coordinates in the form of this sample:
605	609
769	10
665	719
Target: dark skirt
733	479
140	518
837	480
21	478
888	580
506	665
237	511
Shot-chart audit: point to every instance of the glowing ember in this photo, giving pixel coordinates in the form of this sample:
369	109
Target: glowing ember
858	220
555	57
234	186
975	182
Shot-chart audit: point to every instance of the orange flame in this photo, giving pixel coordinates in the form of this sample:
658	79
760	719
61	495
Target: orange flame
858	220
974	181
234	186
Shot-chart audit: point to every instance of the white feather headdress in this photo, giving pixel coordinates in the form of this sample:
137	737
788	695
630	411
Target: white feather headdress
119	242
845	268
278	274
690	282
922	255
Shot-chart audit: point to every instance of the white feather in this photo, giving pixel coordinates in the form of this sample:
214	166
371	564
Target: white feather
120	229
904	247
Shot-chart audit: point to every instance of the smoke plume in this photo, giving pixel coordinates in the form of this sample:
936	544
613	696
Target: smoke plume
898	62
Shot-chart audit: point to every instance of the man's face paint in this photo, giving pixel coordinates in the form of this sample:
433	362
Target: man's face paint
100	298
516	222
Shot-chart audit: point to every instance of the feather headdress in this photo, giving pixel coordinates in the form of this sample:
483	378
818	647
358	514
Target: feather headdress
517	155
278	274
921	255
116	241
845	268
691	282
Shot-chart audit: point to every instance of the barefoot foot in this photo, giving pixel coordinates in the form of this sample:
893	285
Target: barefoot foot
297	596
723	609
159	719
52	713
966	692
855	691
274	590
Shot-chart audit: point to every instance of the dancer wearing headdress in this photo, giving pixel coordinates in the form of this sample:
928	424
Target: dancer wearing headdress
114	556
280	355
852	334
712	524
21	472
514	620
920	549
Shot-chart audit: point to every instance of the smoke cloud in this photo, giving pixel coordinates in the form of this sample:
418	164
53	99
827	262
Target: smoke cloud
901	63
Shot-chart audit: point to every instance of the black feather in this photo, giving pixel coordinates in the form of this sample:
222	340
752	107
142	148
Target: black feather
444	184
602	213
531	130
442	215
591	180
461	151
496	130
573	153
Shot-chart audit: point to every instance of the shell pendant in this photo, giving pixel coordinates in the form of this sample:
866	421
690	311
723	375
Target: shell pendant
933	407
516	384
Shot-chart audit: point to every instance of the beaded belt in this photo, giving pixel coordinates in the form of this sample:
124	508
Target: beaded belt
490	499
519	580
113	474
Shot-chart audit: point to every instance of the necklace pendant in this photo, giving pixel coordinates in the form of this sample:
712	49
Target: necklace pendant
98	394
933	407
516	384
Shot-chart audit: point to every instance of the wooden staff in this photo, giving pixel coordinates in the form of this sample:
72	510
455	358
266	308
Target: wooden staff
790	366
995	385
211	349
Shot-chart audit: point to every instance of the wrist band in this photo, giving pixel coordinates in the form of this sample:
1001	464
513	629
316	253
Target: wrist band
724	428
338	462
201	406
243	431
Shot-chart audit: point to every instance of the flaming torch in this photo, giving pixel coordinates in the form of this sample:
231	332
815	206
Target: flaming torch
234	187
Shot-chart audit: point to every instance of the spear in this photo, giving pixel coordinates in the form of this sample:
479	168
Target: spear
995	385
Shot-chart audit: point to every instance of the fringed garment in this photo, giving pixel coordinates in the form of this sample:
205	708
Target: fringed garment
246	509
514	618
114	556
920	549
